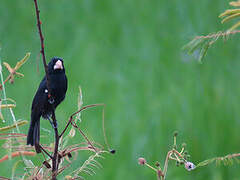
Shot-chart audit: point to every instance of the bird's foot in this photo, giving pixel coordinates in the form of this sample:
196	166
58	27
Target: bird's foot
55	125
50	121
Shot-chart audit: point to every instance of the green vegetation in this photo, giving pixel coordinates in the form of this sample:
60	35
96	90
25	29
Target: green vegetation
127	54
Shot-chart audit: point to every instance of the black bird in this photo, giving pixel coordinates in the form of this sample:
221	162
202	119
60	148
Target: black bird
42	104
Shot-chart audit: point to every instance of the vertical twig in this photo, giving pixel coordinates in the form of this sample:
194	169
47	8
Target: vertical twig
42	44
55	153
166	164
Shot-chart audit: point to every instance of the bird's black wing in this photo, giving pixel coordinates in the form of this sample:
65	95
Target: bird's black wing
38	104
41	97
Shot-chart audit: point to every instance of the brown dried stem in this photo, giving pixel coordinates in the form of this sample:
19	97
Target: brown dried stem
39	22
55	159
15	154
71	117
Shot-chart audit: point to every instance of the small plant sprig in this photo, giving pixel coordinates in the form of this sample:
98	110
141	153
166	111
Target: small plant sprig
180	157
13	71
15	138
201	44
226	160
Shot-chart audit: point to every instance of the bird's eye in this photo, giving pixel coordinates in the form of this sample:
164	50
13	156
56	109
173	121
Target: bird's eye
58	65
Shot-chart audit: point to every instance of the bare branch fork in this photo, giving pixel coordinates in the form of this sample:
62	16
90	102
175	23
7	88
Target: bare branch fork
70	121
71	117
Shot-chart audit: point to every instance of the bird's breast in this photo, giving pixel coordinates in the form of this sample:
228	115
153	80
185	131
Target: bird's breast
58	85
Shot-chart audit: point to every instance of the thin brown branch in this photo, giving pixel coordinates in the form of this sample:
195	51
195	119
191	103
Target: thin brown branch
55	159
49	155
70	121
13	134
15	154
71	117
42	45
63	168
55	154
76	149
103	128
85	137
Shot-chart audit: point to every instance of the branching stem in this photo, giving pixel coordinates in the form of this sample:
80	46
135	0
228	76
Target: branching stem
71	117
55	154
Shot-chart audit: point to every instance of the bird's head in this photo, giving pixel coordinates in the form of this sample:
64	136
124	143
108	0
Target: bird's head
56	65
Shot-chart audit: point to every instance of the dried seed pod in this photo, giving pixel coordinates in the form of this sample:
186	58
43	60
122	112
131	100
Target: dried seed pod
46	164
189	166
113	151
69	155
141	161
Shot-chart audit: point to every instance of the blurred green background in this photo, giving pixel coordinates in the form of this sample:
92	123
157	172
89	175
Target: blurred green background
127	54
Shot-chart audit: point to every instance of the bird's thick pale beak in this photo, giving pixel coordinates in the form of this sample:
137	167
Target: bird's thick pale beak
58	65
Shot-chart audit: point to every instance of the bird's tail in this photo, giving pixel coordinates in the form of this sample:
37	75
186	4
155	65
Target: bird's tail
33	136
